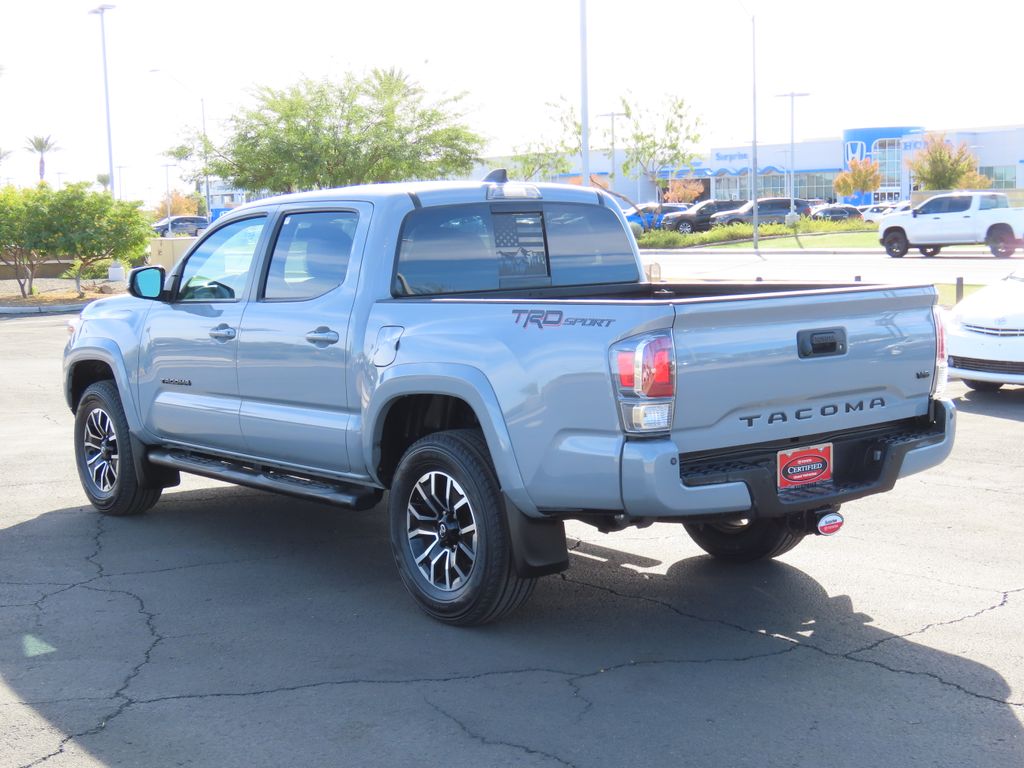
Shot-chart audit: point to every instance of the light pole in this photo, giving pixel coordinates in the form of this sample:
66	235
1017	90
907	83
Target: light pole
792	96
167	184
120	187
612	116
753	142
101	10
206	159
584	106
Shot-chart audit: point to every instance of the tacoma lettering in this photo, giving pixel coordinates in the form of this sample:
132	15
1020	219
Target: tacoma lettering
802	414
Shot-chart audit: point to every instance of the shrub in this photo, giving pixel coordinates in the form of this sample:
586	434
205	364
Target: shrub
661	239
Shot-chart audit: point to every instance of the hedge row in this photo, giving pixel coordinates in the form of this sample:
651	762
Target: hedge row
658	238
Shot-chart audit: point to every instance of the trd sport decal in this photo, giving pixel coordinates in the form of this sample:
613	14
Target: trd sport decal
555	318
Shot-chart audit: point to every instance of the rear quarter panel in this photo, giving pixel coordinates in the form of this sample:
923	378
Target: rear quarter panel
551	380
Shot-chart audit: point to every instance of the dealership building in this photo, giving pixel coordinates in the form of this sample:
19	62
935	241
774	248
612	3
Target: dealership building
725	171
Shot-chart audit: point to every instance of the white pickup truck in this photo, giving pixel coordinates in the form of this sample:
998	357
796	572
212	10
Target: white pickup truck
955	219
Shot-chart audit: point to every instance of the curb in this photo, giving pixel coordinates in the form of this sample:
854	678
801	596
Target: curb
53	309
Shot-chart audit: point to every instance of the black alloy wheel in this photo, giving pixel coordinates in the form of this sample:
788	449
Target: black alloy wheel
449	534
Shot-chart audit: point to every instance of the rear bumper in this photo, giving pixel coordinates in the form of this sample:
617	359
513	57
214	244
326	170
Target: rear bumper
658	482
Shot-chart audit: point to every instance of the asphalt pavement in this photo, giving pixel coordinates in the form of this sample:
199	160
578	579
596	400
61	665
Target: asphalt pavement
230	627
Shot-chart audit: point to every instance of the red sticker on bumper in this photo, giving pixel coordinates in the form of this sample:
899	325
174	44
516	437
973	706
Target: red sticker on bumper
803	466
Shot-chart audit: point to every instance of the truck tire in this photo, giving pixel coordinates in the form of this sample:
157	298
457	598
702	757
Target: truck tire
896	244
103	454
983	386
684	228
1000	242
745	540
449	533
930	251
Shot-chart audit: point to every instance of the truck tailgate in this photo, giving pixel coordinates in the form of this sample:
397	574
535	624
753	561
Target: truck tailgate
784	366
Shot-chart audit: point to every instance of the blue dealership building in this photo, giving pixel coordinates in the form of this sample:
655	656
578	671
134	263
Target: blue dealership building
726	170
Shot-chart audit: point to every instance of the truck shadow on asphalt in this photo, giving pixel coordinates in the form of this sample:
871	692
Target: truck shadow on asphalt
232	627
1006	403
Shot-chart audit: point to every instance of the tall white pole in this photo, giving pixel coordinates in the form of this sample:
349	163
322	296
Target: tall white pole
106	92
753	149
792	150
206	161
584	105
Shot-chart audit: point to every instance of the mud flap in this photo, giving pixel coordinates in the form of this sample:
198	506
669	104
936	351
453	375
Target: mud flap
149	474
538	545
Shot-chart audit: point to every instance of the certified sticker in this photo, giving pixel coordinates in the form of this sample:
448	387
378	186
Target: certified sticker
803	466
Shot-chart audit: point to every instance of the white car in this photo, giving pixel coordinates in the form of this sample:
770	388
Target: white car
875	212
985	336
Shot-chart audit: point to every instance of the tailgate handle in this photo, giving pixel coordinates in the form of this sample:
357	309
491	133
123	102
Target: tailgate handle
821	342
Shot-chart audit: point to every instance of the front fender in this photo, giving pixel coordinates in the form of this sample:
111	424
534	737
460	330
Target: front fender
106	351
464	382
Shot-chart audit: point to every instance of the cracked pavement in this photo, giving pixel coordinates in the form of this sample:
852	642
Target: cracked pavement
229	627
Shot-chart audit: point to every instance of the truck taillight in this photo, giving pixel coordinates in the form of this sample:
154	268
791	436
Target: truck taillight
941	376
644	372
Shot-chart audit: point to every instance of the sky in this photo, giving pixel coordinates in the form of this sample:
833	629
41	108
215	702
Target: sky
941	65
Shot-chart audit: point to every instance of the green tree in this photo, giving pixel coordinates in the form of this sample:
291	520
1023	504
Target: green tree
940	165
658	140
863	176
974	180
42	145
318	134
22	213
103	179
90	227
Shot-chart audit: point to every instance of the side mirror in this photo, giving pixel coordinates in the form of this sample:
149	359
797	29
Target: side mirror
913	212
146	282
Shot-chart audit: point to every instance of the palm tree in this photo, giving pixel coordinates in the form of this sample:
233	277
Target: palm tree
4	154
42	145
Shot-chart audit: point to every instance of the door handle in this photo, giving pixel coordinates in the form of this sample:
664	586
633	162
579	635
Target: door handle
222	333
322	336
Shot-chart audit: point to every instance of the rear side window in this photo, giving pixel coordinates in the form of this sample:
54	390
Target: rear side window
483	247
311	255
988	202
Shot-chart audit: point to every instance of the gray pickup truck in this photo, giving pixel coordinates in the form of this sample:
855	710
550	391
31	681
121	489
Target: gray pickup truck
491	354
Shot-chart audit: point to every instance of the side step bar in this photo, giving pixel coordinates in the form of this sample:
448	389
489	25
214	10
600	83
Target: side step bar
268	479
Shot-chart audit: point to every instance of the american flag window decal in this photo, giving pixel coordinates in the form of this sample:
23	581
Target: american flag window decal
519	243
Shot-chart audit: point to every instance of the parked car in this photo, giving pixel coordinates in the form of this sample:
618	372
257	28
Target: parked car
339	344
875	212
698	217
770	210
649	215
956	218
835	213
181	225
985	337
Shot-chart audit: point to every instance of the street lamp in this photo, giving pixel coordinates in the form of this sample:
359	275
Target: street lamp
792	96
612	116
100	11
584	106
167	183
753	142
206	159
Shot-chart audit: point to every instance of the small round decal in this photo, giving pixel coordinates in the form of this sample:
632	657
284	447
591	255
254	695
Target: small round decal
830	524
